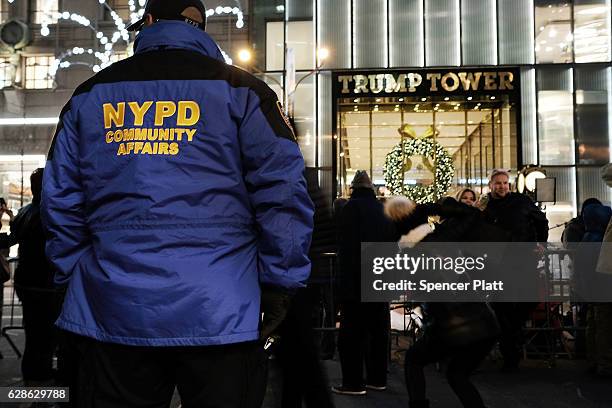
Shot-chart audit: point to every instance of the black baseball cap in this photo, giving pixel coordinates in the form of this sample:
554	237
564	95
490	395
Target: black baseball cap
171	10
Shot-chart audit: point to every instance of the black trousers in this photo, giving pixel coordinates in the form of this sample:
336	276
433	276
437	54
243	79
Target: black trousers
118	376
462	362
303	377
511	317
364	337
40	311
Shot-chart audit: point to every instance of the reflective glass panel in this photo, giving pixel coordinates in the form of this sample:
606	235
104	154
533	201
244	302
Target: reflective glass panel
553	41
592	30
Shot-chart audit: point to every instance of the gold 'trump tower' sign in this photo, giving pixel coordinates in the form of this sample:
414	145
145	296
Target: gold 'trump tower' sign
433	81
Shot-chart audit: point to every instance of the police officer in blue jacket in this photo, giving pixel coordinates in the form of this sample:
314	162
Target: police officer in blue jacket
177	211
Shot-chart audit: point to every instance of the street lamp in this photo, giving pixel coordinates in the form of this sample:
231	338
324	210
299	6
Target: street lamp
245	56
321	55
526	181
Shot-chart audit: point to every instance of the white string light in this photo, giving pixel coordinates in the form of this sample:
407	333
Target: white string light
222	10
82	20
121	33
61	63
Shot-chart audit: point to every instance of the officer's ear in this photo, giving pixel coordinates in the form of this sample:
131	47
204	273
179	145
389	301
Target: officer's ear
149	20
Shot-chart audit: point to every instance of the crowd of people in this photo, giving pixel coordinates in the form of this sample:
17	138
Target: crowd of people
460	333
501	216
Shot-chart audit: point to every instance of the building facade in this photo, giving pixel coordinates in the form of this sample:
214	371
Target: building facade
459	52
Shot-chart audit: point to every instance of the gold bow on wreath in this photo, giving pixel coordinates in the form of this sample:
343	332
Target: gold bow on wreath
407	132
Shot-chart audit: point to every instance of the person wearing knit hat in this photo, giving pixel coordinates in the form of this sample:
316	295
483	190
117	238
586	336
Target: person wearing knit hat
361	180
363	339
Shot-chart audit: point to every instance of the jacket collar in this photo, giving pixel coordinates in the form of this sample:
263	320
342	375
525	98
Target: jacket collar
176	35
500	200
363	192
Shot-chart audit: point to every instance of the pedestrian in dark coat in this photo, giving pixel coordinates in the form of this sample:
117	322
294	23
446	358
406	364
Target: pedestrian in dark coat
595	286
304	380
463	333
364	327
517	214
574	229
514	212
34	285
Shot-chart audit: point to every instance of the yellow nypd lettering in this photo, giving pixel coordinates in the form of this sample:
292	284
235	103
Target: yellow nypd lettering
188	113
164	110
176	125
112	115
140	111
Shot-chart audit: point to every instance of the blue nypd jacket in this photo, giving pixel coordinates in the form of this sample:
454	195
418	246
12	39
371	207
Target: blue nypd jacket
173	190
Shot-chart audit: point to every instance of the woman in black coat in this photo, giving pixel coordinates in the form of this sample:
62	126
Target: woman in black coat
463	333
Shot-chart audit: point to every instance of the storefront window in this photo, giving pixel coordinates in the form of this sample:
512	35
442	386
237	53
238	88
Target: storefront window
592	115
556	117
38	72
300	37
591	185
592	30
476	133
45	11
555	120
304	118
564	209
3	12
262	14
6	72
553	41
275	51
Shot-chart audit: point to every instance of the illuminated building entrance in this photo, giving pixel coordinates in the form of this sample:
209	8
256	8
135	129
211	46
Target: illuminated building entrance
471	114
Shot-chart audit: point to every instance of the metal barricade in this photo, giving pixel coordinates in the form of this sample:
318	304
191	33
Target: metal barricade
548	336
13	319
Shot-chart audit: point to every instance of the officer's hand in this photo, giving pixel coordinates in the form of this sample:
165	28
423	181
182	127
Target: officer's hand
274	306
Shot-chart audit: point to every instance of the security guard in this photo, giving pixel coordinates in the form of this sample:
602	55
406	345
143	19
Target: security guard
176	209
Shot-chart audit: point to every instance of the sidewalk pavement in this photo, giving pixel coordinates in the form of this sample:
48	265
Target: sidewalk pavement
535	386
